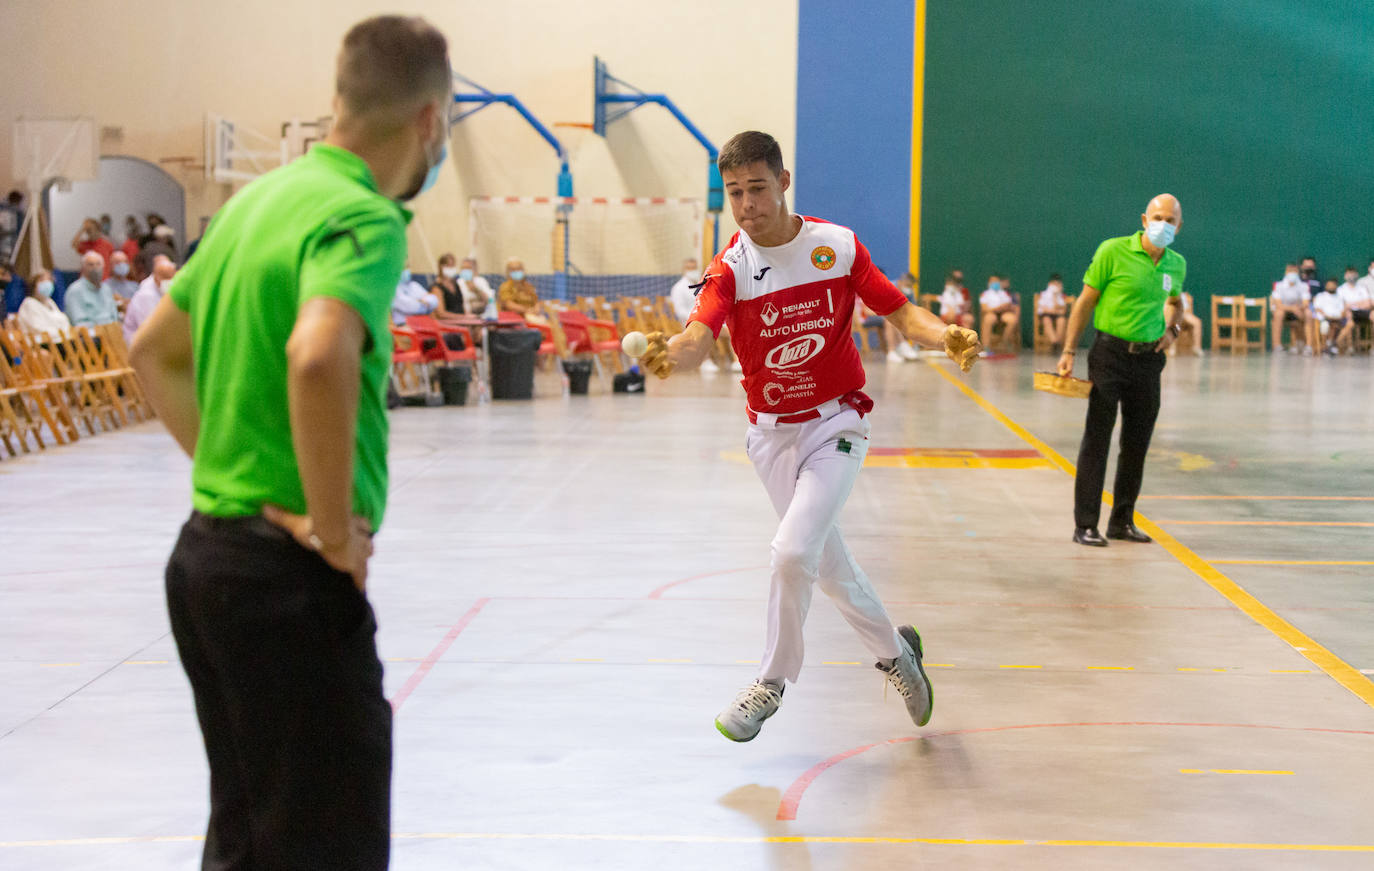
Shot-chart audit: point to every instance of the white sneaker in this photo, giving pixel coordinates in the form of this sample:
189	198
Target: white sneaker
906	674
894	357
709	366
907	352
743	718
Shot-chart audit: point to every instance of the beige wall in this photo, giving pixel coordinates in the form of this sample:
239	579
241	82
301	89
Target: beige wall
156	70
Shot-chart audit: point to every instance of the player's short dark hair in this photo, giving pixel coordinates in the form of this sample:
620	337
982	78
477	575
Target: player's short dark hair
1353	269
748	147
1289	263
1055	276
389	61
1309	257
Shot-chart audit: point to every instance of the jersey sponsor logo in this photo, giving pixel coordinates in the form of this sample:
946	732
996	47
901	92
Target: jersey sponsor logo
795	353
773	393
823	257
1168	281
769	314
793	329
762	273
799	307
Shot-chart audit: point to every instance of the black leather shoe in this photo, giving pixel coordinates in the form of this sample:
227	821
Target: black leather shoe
1129	532
1089	536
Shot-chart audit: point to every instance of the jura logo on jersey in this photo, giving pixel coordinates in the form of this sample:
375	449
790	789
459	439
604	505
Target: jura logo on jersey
796	352
769	314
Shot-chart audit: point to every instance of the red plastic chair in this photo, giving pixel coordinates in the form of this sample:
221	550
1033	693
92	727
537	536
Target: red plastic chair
426	327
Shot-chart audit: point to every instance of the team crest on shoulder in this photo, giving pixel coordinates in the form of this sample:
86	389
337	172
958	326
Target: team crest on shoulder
823	257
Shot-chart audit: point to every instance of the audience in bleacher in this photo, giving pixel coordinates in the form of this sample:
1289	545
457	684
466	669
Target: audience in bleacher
38	313
999	308
411	299
88	301
1290	302
682	296
150	292
120	285
90	239
1052	308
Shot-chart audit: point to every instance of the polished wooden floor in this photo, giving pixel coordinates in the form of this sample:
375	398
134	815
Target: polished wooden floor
569	590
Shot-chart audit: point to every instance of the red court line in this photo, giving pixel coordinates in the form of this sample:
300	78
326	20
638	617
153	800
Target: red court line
658	594
787	808
422	670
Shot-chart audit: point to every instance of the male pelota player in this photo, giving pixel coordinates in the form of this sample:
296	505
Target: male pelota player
786	286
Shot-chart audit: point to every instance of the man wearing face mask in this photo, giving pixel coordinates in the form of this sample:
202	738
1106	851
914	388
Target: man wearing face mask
90	238
268	360
88	302
477	292
1131	291
150	291
1290	304
119	284
682	296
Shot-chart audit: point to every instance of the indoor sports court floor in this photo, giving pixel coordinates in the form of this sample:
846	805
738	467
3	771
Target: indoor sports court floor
570	590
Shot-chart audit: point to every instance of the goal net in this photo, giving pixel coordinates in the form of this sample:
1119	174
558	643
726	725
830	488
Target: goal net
611	247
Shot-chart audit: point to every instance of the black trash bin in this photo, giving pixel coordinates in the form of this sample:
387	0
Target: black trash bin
453	383
512	363
579	375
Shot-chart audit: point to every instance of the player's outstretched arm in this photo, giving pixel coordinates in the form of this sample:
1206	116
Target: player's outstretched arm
921	326
684	351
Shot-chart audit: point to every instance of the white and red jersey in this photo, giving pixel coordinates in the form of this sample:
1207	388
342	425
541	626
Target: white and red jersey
789	307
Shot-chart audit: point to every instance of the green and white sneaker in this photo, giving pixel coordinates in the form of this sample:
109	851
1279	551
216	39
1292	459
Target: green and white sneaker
743	718
909	677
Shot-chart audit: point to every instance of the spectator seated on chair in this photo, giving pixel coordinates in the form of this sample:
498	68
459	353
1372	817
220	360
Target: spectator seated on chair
999	310
90	239
1332	315
131	246
38	314
88	302
150	292
445	288
682	296
411	299
1192	328
907	285
954	303
1052	309
120	285
518	294
1358	299
1367	280
1290	302
477	293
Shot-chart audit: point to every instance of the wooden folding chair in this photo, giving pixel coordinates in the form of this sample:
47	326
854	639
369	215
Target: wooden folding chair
20	411
1252	326
115	355
39	395
1226	316
98	389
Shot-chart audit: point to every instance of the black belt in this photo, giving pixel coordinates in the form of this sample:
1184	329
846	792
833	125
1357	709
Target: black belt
1128	347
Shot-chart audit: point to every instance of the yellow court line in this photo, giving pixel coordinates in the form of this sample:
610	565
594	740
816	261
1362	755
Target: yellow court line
1020	666
918	112
755	839
1290	562
1340	670
1229	771
1111	668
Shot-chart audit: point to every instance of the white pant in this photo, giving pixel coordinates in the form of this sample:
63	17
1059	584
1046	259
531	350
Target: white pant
809	473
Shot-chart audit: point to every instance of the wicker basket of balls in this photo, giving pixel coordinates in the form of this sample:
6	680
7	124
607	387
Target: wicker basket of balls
1051	382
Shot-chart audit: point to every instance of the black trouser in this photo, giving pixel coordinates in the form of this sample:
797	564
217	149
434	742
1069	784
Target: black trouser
1132	380
280	651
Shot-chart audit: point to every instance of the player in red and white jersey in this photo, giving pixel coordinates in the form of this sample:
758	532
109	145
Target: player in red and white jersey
786	286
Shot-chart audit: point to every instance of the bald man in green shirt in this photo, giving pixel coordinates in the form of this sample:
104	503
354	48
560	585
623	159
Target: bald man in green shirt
1132	290
268	360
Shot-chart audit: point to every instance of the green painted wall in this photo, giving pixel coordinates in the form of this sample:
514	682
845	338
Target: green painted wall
1049	125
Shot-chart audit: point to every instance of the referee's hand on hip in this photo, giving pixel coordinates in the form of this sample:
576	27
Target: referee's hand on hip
348	555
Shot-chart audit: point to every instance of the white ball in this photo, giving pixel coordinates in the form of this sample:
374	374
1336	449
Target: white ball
634	344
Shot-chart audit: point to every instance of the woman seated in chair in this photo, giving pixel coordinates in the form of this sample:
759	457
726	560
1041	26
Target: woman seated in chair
38	314
1052	309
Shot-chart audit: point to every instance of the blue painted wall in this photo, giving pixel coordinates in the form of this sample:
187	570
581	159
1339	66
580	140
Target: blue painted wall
853	163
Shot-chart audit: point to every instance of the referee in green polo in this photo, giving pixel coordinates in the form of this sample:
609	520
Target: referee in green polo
1132	292
268	361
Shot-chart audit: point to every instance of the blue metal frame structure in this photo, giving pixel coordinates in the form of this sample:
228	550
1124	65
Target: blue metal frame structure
482	98
603	115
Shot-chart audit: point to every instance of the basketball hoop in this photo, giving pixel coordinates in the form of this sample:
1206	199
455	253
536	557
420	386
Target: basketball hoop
573	135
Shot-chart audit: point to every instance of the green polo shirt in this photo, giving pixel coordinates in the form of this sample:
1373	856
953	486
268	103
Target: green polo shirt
316	227
1133	288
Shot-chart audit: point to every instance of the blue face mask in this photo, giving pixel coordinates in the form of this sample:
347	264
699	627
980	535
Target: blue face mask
517	275
994	285
405	276
432	177
44	288
465	274
1160	233
121	269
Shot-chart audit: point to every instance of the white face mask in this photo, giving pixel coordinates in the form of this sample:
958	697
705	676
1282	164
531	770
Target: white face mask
693	276
1291	278
1160	233
450	271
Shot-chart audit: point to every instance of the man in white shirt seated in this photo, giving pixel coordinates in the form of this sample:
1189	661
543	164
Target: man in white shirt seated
1367	280
1000	309
682	296
1051	308
1289	304
411	299
150	292
953	303
1358	298
1331	314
